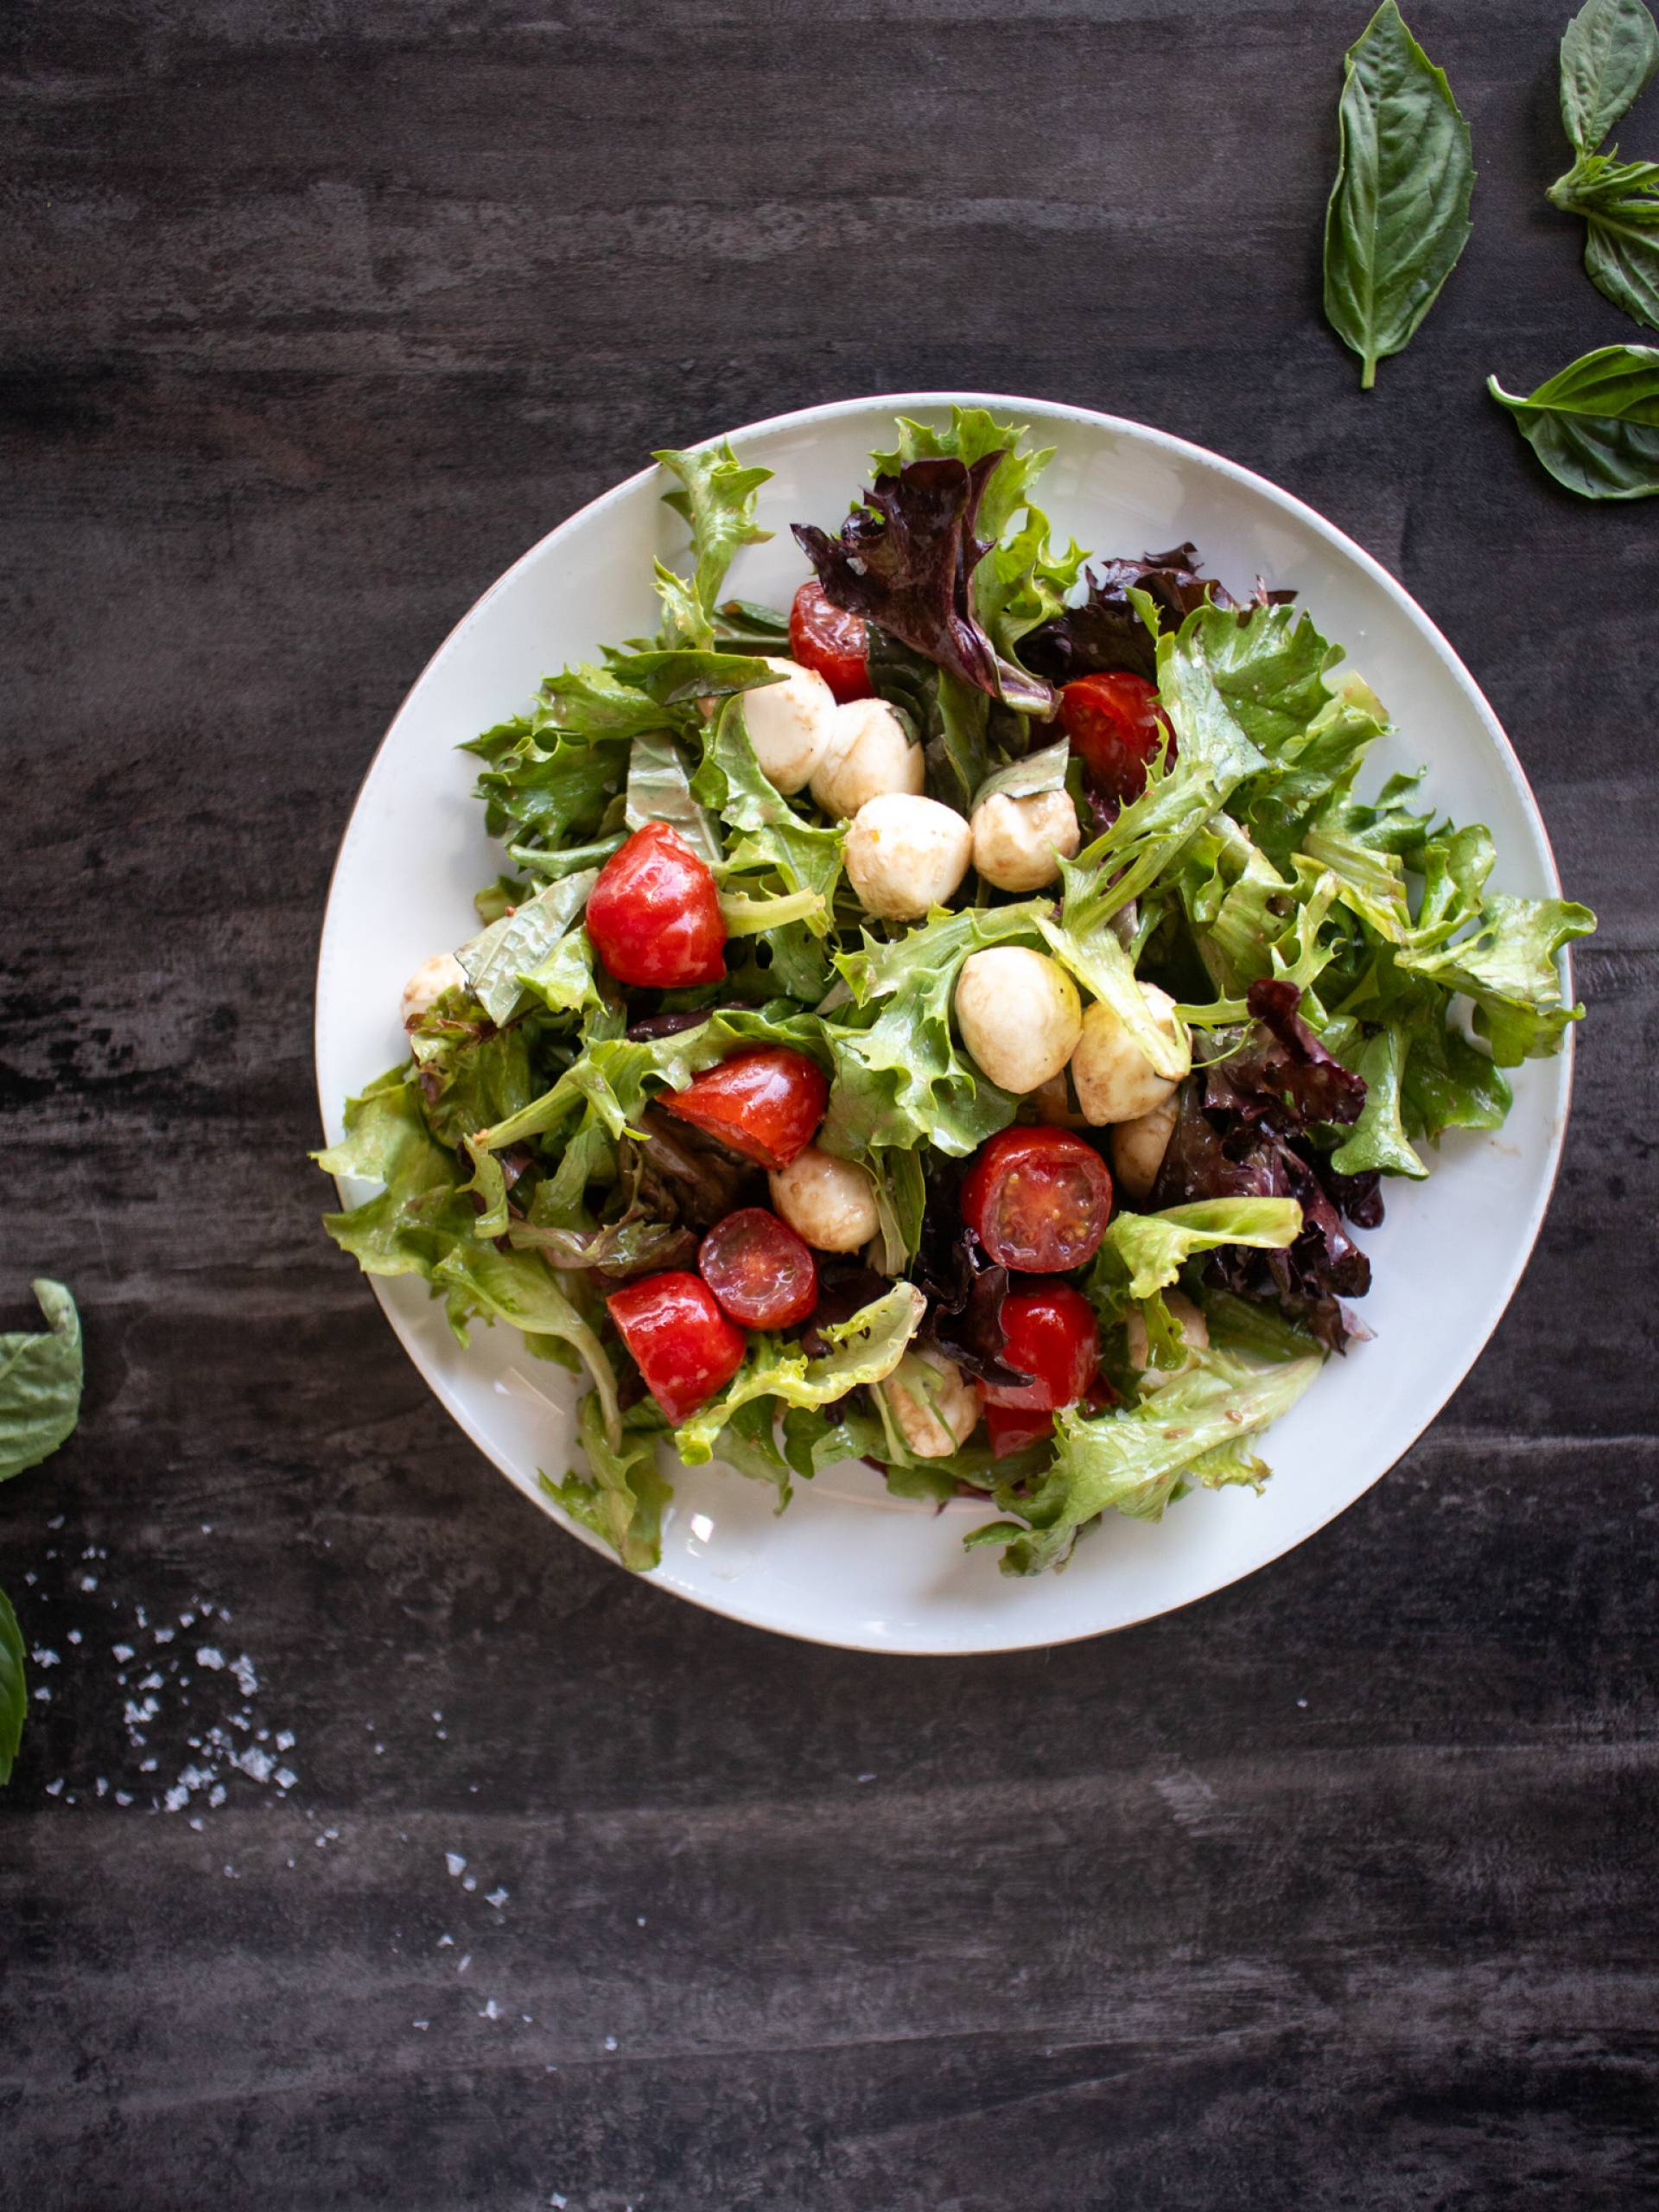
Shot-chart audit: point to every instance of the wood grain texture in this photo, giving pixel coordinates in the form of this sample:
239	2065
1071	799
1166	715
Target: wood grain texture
1336	1891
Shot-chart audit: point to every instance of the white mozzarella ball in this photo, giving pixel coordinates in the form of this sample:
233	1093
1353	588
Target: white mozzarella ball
905	854
1019	1015
1116	1081
441	973
870	754
934	1407
1138	1147
1190	1325
1020	842
828	1203
792	725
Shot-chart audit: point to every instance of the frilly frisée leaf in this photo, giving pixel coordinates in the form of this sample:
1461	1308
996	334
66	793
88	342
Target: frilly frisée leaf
1595	426
1399	212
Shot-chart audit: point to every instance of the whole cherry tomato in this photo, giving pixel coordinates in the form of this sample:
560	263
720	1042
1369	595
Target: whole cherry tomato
823	637
1115	725
1038	1200
758	1270
654	915
1050	1334
1012	1427
682	1343
765	1104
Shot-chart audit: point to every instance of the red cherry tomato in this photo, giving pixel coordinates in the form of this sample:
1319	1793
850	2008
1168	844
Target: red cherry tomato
1012	1427
1115	725
765	1104
836	643
1038	1200
681	1342
758	1270
654	914
1050	1335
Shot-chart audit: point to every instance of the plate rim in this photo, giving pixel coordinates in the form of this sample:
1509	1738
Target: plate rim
1189	451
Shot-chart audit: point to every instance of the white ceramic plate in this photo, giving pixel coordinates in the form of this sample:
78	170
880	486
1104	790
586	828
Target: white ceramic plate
847	1565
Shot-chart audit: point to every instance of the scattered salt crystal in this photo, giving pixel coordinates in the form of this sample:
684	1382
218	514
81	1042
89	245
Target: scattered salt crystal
207	1527
284	1739
438	1716
74	1635
491	2010
285	1777
246	1680
463	1963
43	1658
199	1824
444	1735
444	1943
216	1794
610	2043
866	1777
497	1898
141	1616
89	1582
166	1635
44	1695
147	1766
469	1881
1302	1702
152	1682
124	1797
379	1749
56	1522
420	2024
52	1788
176	1798
454	1862
103	1785
208	1655
641	1917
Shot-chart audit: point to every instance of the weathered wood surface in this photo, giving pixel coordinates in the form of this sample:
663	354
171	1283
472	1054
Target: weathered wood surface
1338	1890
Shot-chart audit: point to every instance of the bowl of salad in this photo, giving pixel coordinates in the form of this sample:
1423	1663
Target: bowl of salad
944	1024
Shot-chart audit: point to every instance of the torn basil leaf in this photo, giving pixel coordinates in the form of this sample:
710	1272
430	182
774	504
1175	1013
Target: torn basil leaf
1595	425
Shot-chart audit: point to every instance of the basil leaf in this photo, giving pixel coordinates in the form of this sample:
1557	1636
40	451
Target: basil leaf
1029	779
1595	426
1609	51
495	962
13	1688
40	1383
1399	212
1619	201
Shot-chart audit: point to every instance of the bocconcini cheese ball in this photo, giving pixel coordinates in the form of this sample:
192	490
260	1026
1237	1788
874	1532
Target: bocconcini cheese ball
1019	1015
1020	842
869	756
828	1203
934	1407
792	725
1138	1147
1116	1081
1190	1325
441	973
904	853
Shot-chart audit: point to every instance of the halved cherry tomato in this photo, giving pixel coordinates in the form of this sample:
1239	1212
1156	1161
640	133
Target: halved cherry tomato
765	1104
681	1342
1050	1334
654	915
836	643
1038	1200
1012	1427
1115	725
758	1270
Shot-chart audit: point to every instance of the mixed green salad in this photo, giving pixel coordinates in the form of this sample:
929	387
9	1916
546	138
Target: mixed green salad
957	1022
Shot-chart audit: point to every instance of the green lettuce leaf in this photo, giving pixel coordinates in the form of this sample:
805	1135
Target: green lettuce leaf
14	1686
1151	1249
1131	1460
1378	1138
899	1079
773	836
496	962
659	790
471	1072
40	1381
863	1351
622	1500
717	497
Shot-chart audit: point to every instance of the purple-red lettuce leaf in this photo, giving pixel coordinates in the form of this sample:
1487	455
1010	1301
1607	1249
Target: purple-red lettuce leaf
1107	631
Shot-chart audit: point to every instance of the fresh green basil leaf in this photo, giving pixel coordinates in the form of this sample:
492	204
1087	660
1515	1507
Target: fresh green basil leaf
1619	201
1039	771
1399	212
1609	51
14	1686
1595	426
40	1381
496	962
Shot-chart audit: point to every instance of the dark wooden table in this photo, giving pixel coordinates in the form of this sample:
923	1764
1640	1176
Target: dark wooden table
1337	1889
